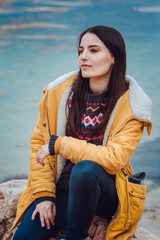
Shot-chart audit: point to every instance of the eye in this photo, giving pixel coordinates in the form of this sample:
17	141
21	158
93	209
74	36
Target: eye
94	50
80	52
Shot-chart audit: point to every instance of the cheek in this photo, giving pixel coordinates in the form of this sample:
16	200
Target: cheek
107	61
102	59
103	65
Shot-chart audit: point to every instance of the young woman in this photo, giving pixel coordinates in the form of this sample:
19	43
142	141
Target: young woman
90	124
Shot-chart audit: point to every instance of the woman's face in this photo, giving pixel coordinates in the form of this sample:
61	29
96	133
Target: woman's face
95	59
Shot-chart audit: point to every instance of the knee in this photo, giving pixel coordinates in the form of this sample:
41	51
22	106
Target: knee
18	236
85	171
23	234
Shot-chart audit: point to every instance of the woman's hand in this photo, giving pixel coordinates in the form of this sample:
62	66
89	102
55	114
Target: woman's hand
42	153
47	213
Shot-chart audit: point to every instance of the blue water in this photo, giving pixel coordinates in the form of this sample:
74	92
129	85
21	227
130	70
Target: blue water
38	41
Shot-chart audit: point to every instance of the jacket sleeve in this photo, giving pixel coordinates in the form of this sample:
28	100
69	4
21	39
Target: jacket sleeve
112	157
42	178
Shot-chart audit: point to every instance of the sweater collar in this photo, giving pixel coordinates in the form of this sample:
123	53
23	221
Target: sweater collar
96	98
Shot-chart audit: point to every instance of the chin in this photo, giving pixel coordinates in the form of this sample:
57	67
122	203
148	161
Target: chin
86	75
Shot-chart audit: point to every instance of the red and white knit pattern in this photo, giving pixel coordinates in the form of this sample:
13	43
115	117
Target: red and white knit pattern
94	114
88	121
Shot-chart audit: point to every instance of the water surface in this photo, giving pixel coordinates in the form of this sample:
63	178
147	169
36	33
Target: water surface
38	41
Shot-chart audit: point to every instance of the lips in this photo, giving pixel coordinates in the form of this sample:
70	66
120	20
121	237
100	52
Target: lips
85	66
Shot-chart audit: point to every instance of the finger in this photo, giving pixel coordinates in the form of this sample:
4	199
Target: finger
54	211
40	158
50	216
42	219
46	219
34	214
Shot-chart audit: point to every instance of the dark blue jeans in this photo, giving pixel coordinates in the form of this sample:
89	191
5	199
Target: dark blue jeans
91	191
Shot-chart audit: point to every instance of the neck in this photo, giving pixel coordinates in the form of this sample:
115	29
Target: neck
98	86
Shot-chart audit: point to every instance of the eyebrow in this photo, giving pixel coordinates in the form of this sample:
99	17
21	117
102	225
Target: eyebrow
90	46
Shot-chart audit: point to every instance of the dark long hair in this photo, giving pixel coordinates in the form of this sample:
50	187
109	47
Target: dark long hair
113	40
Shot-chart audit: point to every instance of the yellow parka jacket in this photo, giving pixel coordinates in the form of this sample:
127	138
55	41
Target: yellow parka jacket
125	128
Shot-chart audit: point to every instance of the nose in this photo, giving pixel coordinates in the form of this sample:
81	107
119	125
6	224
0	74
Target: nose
83	56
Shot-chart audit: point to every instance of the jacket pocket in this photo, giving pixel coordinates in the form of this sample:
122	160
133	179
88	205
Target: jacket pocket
136	201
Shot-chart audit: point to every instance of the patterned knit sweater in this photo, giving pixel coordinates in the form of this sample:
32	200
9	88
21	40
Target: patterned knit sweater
95	106
93	115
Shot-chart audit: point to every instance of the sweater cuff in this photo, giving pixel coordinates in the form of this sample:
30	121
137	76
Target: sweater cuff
57	144
51	144
44	194
39	200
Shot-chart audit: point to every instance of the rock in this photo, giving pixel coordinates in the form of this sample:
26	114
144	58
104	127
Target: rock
141	233
100	233
9	194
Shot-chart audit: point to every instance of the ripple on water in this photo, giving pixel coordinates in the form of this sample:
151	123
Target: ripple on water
33	9
3	43
31	25
66	3
44	37
150	9
3	95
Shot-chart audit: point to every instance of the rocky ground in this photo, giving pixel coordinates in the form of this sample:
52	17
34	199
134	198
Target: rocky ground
10	192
